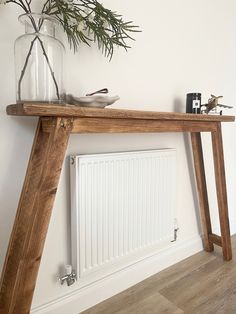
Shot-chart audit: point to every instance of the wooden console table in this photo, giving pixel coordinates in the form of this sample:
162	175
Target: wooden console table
55	125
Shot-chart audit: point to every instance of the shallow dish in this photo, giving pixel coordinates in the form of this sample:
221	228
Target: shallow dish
92	101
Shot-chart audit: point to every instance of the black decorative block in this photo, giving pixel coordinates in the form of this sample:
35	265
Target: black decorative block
193	103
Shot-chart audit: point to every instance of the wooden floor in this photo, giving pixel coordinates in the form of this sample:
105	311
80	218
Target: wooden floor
202	284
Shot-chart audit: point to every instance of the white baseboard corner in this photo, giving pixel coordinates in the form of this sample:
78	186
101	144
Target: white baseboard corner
232	221
86	297
233	226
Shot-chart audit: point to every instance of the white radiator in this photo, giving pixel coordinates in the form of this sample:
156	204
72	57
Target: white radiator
123	208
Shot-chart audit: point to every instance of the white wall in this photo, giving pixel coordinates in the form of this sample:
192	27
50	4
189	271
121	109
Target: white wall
185	46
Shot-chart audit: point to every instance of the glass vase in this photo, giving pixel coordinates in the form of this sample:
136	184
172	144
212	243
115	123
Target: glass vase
39	58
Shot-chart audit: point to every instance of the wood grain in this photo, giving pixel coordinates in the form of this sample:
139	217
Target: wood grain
197	288
147	306
219	166
148	287
214	238
202	189
32	218
102	125
211	289
38	193
202	283
46	110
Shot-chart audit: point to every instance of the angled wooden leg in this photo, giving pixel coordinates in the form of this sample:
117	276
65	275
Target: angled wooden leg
202	190
218	156
32	219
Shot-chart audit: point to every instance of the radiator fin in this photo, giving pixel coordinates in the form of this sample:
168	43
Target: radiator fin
124	206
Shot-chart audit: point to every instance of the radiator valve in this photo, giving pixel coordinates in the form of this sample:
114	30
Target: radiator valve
69	277
176	229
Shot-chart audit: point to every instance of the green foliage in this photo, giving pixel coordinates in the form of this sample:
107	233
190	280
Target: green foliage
86	21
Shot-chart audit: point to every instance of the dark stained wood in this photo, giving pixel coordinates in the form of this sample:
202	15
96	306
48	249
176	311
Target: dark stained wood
214	238
102	125
32	218
218	155
202	189
46	110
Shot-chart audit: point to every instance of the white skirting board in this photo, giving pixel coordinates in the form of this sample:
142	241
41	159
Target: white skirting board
82	299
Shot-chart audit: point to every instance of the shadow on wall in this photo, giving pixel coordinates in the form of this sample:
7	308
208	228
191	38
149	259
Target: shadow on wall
179	106
17	149
189	157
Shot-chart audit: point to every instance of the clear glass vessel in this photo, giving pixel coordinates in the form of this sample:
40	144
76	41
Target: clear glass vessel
39	60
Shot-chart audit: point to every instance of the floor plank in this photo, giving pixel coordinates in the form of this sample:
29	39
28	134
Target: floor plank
203	283
155	302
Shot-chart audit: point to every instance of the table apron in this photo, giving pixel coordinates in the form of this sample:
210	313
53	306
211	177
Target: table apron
104	125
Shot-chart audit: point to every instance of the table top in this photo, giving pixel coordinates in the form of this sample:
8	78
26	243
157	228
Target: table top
63	110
